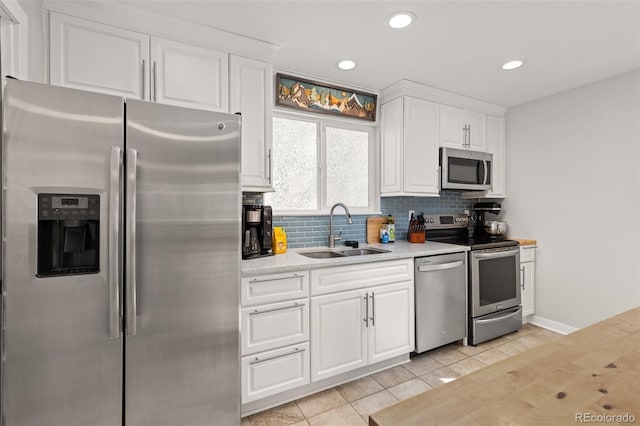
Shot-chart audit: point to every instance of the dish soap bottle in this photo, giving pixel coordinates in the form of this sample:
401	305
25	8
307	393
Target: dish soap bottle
385	237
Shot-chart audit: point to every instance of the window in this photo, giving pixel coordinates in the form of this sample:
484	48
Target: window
317	163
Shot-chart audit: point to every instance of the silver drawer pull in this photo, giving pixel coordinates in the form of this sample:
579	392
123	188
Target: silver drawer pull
257	360
256	280
257	312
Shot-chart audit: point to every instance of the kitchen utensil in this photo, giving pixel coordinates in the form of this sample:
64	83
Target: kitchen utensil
495	227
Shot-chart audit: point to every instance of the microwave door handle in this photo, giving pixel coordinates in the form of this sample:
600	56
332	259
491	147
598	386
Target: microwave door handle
486	172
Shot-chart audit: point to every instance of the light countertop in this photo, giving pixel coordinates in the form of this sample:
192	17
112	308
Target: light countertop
592	372
292	260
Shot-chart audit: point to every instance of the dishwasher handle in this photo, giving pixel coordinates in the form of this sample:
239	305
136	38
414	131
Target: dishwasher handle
440	267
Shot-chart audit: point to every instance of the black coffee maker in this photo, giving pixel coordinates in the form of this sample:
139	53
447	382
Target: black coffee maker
257	230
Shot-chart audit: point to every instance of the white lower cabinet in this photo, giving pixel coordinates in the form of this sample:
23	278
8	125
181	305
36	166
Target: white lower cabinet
527	279
339	333
272	372
274	334
356	328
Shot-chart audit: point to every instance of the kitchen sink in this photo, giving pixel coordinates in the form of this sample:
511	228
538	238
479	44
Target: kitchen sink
324	254
363	252
327	254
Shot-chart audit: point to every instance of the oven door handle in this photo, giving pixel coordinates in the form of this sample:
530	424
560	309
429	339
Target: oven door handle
494	254
440	267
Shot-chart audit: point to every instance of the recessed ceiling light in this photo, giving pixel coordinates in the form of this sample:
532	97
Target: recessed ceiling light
402	19
512	65
346	64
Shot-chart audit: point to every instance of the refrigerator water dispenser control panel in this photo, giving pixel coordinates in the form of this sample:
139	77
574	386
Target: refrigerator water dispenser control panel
68	234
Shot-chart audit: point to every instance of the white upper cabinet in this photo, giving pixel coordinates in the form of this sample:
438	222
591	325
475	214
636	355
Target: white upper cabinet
409	148
101	58
191	76
251	94
496	146
462	129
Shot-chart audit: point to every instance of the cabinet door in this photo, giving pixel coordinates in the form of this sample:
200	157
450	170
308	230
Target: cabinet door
391	158
527	283
251	94
421	173
190	76
392	321
496	146
451	127
101	58
338	334
476	123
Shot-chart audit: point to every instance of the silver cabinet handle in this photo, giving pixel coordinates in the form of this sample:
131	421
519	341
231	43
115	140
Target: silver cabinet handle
269	160
113	243
373	309
155	83
257	360
440	267
468	135
130	243
522	284
144	79
264	311
257	280
366	313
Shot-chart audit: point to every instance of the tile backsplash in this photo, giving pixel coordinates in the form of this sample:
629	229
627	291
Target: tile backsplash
313	231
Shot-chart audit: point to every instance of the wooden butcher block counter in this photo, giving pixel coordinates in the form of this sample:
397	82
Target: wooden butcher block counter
591	375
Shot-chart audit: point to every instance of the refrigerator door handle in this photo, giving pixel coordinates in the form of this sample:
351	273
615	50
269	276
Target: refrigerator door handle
113	239
130	242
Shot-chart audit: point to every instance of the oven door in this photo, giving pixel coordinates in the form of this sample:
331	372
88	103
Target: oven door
495	280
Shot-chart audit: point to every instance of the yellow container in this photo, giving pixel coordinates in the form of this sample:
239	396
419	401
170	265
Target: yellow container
279	240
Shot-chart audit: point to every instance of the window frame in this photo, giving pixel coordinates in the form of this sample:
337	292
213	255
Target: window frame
322	123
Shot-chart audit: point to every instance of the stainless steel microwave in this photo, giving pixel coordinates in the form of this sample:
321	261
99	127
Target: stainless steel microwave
466	170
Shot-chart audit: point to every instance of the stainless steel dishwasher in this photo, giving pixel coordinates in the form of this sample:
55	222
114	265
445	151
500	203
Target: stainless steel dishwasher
441	300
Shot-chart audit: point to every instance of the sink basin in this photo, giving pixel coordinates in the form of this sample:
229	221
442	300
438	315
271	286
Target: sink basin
363	252
327	254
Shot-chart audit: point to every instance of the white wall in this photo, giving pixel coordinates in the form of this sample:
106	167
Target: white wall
573	176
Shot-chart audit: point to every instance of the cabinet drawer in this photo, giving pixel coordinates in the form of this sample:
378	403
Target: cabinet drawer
272	326
341	278
527	253
269	373
274	288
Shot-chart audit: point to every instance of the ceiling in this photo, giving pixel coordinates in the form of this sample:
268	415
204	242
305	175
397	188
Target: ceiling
458	46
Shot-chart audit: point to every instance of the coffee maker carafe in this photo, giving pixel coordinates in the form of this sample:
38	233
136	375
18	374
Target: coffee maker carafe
256	231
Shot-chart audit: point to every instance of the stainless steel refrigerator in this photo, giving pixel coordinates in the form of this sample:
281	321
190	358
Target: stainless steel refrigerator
120	261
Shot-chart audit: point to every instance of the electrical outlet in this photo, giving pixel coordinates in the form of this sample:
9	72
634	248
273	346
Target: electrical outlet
411	213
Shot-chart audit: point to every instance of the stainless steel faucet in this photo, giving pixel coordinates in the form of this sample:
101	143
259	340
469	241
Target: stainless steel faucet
332	239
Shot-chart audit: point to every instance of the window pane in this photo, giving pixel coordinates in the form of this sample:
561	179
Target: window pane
295	159
347	167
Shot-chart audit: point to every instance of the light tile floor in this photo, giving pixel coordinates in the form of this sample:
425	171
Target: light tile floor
351	403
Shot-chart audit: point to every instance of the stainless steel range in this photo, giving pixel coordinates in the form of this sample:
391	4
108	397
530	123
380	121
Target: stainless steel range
493	276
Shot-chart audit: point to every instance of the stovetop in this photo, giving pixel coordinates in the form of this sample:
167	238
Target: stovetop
454	229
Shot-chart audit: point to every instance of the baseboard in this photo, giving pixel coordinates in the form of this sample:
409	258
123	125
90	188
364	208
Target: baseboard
555	326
